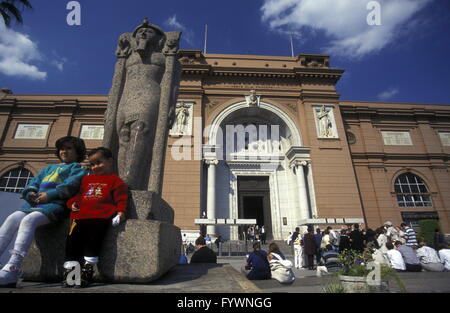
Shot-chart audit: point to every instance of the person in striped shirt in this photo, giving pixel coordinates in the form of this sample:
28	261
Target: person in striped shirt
410	236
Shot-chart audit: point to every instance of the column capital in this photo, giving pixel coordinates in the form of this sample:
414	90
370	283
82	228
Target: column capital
298	163
211	161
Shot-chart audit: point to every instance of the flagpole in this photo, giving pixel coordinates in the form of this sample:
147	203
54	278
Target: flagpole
206	37
292	47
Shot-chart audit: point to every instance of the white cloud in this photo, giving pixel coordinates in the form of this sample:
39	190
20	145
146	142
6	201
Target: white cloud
57	61
388	94
59	65
172	21
187	34
344	22
17	51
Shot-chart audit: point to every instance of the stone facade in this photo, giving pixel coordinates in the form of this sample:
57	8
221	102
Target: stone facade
347	172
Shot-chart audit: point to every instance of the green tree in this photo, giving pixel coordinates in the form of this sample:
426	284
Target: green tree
10	9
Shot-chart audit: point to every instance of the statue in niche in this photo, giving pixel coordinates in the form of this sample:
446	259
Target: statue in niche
143	83
325	126
182	118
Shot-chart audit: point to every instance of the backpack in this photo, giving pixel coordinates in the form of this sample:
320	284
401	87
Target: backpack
281	269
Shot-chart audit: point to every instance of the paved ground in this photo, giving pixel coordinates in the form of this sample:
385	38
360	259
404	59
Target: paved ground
226	277
308	282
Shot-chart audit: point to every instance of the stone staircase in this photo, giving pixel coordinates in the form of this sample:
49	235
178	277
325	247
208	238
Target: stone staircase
242	248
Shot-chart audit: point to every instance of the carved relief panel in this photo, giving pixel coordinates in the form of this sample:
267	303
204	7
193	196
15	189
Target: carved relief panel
325	121
183	119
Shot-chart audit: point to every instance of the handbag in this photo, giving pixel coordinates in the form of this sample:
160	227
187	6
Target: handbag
281	269
286	263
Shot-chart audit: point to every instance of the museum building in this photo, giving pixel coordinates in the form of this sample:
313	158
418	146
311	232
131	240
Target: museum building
266	138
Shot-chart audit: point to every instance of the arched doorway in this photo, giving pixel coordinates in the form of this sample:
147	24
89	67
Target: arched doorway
258	143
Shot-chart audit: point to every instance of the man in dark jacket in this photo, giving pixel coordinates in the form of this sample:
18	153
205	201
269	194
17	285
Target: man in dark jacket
203	253
357	239
318	237
295	234
259	264
310	247
344	242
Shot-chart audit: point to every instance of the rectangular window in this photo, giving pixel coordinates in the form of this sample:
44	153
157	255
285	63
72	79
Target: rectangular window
92	132
396	138
31	131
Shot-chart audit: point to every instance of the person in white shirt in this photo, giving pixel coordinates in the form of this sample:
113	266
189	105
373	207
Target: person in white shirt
389	228
289	239
382	239
429	258
395	258
325	239
444	255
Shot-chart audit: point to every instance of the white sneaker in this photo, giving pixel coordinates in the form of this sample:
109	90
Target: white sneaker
9	276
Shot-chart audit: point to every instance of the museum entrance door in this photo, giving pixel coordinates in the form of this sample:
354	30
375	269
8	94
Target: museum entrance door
254	202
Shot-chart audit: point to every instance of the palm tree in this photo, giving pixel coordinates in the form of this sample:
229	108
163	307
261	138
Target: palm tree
8	9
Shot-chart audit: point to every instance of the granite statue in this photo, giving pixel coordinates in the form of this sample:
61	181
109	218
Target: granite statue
144	90
141	110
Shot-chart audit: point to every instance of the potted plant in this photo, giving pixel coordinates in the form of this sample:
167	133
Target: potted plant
353	275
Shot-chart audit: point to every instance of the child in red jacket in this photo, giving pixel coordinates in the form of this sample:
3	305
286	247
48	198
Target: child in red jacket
101	200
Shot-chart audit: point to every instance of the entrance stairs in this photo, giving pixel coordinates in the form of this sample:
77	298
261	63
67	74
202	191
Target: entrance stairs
242	248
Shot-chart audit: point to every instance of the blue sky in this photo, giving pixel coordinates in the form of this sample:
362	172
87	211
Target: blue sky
405	59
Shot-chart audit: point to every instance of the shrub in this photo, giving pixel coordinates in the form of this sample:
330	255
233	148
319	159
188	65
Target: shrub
427	228
334	287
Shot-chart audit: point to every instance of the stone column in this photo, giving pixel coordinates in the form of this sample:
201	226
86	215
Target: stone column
211	194
312	201
302	194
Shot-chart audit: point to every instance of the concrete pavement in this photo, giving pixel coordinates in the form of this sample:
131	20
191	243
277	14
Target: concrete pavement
226	277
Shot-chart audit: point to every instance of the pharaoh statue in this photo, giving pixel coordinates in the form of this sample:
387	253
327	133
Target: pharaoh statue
141	104
140	112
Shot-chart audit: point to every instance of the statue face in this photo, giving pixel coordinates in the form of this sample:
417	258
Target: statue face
144	36
146	33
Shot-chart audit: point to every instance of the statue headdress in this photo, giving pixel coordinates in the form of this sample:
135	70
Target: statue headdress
146	24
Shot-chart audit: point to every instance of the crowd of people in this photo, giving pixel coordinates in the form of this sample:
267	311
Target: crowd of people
256	233
395	246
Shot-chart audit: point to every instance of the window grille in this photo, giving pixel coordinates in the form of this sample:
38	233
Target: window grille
15	180
411	191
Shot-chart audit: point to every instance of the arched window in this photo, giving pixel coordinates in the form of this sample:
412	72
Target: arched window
15	180
411	191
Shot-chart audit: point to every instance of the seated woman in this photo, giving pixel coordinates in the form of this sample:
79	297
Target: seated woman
281	269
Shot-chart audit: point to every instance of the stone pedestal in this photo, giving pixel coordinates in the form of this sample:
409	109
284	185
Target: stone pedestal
137	251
